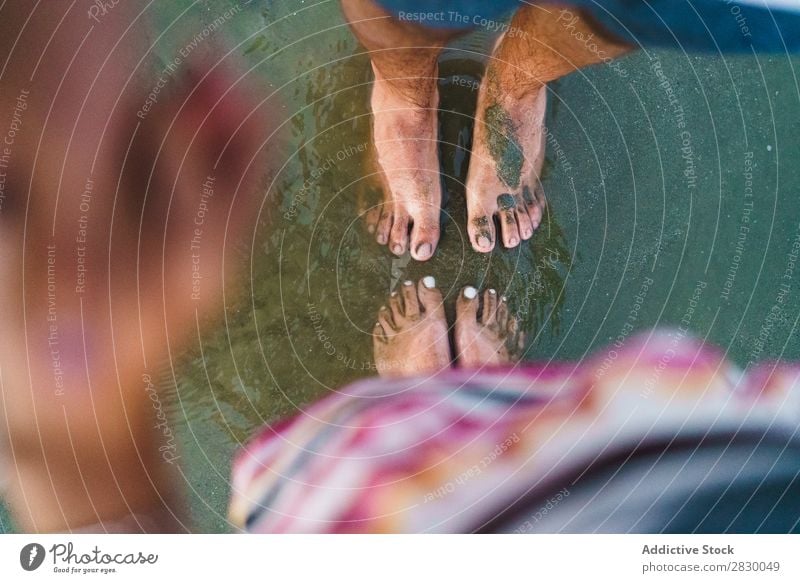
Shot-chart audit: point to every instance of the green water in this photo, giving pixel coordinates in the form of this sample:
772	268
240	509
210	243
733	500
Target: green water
632	200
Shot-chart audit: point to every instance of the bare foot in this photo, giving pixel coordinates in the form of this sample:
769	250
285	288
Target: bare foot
507	156
410	337
494	339
405	133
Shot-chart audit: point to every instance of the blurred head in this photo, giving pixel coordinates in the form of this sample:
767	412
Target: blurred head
125	184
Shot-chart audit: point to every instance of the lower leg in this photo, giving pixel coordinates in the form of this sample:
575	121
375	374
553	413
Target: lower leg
404	105
541	45
545	44
404	54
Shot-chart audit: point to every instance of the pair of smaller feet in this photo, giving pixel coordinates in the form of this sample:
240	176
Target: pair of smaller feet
411	335
505	202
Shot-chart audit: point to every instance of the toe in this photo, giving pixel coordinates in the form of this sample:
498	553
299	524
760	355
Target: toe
515	336
384	226
481	232
535	215
540	197
510	232
424	237
513	326
379	334
398	238
396	306
372	219
506	212
489	307
536	209
524	222
467	304
386	321
410	301
502	313
430	297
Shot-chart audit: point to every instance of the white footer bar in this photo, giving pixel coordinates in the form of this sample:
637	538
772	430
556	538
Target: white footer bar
398	558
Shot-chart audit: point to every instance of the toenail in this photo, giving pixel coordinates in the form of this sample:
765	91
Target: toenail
503	299
398	249
408	282
512	241
370	228
484	241
506	202
429	282
394	294
492	292
383	309
424	250
470	292
382	239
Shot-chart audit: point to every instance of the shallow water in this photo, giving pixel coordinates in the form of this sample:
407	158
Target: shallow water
302	328
643	230
645	224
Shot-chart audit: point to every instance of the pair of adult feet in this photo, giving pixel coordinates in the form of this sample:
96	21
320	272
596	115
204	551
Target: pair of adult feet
411	335
503	193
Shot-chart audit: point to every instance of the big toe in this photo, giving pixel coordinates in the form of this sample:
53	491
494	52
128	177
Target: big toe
481	231
424	238
430	297
467	305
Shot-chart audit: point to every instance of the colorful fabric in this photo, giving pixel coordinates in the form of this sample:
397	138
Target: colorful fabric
441	453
